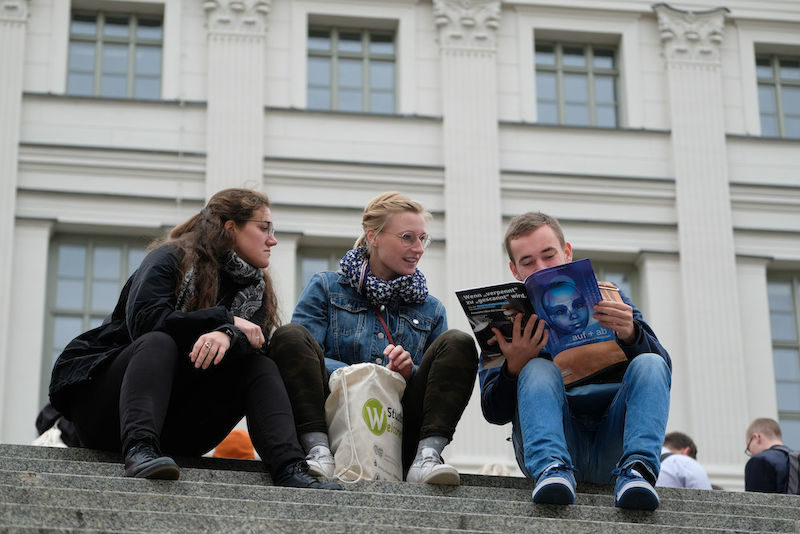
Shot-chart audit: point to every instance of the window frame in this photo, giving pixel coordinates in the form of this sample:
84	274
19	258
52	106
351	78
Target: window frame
332	254
366	57
589	70
777	83
794	281
100	40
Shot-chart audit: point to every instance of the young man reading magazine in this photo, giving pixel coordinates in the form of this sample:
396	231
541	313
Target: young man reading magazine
610	428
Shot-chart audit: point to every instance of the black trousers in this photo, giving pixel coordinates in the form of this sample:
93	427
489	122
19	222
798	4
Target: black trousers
433	402
152	391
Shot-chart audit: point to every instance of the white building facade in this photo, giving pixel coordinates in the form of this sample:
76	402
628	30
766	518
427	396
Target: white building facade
666	138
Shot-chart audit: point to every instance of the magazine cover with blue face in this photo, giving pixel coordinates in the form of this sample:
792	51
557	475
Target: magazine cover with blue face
565	296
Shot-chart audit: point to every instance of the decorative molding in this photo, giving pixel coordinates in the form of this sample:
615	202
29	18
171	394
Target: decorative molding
691	36
237	17
13	10
467	24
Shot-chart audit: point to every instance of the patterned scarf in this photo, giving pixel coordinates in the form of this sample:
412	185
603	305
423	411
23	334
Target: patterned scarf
247	301
410	288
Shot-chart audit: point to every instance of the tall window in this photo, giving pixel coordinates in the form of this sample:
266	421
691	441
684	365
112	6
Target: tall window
351	70
576	84
85	277
784	314
314	260
779	95
114	55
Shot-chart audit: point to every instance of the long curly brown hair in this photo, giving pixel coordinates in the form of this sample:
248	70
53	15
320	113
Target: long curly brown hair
204	241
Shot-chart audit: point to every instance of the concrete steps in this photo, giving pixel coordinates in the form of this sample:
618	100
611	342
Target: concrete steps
66	490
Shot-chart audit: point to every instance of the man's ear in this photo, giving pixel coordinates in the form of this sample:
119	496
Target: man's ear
514	270
568	251
684	451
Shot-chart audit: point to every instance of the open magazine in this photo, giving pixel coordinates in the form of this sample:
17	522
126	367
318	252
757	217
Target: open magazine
563	296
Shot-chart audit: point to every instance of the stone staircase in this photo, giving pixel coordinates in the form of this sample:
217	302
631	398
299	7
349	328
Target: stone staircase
69	490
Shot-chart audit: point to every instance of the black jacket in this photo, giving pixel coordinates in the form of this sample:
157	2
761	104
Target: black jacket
146	304
767	471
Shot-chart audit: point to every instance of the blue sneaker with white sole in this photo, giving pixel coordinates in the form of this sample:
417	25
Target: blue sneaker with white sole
633	492
556	485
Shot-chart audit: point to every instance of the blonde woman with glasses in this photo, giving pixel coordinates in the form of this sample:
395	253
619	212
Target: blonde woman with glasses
377	309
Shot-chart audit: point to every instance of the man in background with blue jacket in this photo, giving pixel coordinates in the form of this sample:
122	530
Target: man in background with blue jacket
609	428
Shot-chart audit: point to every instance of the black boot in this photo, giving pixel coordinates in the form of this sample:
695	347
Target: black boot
296	475
144	460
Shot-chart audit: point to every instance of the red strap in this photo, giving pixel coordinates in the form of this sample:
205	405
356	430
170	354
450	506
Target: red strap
385	328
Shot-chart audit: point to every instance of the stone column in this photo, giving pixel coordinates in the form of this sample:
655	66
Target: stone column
13	20
235	114
713	338
473	220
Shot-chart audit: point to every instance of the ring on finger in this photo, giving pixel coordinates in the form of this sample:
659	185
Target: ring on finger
207	344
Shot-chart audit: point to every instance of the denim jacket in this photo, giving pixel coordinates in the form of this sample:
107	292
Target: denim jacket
347	328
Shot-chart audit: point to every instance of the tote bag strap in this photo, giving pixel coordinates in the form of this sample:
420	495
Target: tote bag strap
354	459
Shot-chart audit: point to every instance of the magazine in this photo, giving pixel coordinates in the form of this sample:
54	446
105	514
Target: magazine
563	296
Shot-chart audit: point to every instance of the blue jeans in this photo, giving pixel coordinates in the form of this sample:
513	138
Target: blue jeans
593	428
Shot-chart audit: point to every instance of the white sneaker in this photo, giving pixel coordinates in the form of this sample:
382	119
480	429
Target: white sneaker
320	462
430	469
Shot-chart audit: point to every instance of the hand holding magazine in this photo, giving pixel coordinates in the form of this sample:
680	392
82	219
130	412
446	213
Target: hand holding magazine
564	297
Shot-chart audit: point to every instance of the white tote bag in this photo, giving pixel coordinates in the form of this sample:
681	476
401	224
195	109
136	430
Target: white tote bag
365	422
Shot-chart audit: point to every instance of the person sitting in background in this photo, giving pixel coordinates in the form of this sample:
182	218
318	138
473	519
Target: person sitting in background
679	465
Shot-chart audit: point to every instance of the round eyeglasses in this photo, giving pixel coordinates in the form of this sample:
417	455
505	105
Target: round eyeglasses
269	229
409	238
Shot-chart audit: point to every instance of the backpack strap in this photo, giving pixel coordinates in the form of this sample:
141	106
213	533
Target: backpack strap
666	455
793	485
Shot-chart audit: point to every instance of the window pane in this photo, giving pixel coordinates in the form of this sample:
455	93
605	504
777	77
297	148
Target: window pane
114	85
147	88
115	59
319	98
81	56
135	257
148	60
149	29
381	102
779	295
766	98
65	329
319	71
350	73
83	25
349	42
116	27
350	100
790	430
72	261
381	75
606	116
546	86
545	55
548	112
604	89
319	40
69	294
787	364
576	114
104	295
573	56
621	280
783	326
792	127
603	58
763	67
80	84
789	69
769	126
381	43
791	100
106	263
310	266
575	88
788	396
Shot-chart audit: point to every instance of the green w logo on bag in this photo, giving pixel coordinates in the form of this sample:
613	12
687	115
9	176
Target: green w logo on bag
374	416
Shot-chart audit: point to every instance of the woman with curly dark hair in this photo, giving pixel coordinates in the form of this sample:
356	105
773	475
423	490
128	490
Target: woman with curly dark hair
183	356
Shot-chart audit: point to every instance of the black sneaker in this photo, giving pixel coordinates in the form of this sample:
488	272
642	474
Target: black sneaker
144	460
296	476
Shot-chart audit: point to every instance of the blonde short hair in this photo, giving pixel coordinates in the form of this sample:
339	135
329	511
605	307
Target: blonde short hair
379	209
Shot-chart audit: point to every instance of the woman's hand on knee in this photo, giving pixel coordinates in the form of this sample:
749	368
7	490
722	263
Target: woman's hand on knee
251	331
399	360
209	348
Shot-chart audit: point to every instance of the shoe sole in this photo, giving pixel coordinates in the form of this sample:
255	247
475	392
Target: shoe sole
158	469
318	471
555	492
443	478
638	498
